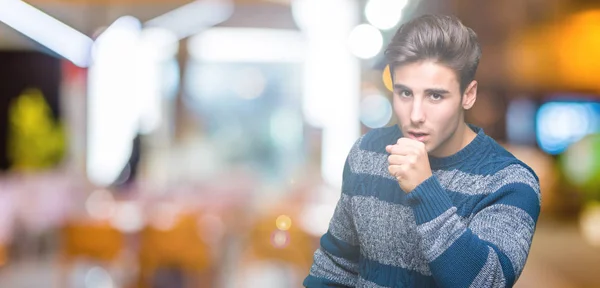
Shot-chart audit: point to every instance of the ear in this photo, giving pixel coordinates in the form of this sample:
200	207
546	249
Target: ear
470	95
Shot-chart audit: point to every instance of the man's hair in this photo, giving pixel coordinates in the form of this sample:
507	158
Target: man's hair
443	39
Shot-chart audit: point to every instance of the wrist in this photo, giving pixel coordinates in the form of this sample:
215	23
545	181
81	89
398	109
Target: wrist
429	200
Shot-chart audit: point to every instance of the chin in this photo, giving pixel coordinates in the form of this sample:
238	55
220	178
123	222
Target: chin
430	150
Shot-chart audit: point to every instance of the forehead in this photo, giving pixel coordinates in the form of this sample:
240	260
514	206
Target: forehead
424	75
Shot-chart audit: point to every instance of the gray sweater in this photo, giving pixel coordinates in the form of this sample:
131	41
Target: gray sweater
470	225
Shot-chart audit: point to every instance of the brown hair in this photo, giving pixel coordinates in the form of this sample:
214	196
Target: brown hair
443	39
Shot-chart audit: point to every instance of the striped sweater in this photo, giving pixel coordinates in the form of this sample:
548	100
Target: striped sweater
469	225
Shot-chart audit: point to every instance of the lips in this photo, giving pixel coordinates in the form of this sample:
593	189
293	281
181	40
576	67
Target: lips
419	136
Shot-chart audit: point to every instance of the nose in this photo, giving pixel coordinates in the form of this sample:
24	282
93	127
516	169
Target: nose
417	115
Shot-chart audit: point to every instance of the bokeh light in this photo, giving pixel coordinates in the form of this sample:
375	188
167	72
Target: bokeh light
365	41
590	224
384	14
375	111
100	204
581	163
165	216
283	222
560	124
98	277
128	217
280	239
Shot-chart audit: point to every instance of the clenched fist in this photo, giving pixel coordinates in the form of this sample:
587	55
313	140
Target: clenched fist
408	163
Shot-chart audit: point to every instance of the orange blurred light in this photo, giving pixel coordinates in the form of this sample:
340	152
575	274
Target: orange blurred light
559	55
387	78
283	222
577	44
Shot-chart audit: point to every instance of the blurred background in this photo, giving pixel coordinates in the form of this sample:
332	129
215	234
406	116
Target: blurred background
149	143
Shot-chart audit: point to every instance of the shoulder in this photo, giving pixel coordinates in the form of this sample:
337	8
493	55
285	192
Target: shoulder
507	171
511	183
507	162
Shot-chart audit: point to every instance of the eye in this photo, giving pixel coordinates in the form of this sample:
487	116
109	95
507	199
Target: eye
405	93
436	97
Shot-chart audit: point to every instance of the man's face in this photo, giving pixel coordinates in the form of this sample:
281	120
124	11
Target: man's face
428	105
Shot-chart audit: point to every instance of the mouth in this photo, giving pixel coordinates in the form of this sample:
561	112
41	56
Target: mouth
418	136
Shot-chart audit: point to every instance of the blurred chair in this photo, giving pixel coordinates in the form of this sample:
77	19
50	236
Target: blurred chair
3	255
276	242
95	241
174	253
292	246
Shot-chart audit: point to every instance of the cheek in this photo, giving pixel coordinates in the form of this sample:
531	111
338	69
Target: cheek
444	120
400	111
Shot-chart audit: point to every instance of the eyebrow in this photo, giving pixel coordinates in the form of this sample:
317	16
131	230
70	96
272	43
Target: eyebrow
428	90
436	91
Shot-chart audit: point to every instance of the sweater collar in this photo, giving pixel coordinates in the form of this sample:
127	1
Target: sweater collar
474	147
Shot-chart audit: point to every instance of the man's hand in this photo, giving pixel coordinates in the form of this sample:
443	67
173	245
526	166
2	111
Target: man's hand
409	163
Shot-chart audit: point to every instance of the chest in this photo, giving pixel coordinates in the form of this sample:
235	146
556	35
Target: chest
387	233
386	227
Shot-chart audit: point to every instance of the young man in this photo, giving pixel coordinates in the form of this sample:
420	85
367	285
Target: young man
432	201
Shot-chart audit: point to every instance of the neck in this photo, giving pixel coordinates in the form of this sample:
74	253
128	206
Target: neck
468	136
461	138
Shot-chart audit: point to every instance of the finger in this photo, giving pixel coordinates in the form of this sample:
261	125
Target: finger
396	159
398	171
394	171
410	142
401	149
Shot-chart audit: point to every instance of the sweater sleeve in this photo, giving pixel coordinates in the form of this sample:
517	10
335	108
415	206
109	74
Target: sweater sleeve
336	261
488	251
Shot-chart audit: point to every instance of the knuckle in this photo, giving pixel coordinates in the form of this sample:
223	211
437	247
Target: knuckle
412	160
392	170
